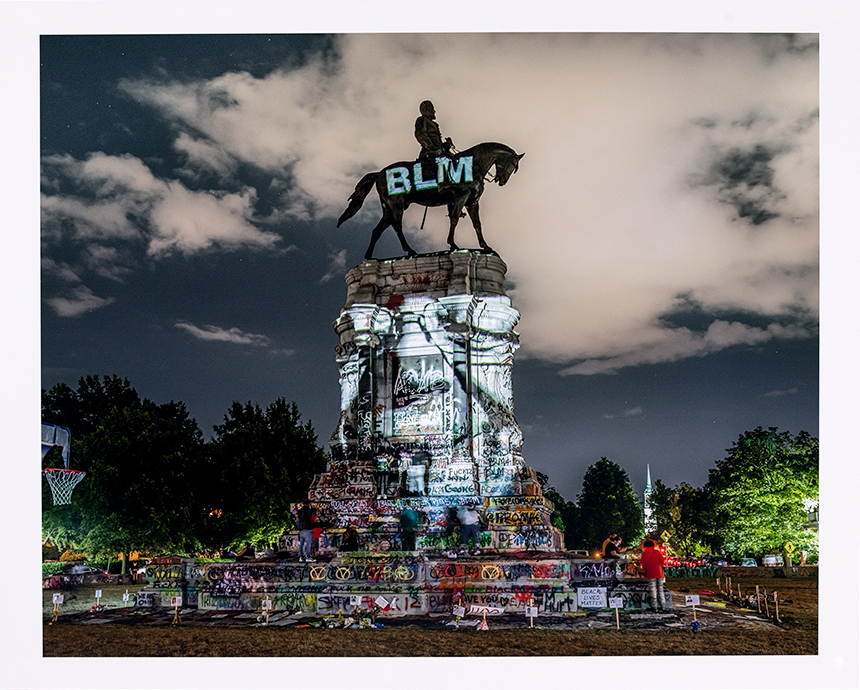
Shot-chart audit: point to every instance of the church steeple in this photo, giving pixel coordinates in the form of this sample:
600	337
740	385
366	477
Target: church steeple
647	511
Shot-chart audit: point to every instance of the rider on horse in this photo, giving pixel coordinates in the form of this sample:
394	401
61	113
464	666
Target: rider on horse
428	134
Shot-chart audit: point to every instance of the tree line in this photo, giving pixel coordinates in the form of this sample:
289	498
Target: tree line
756	500
153	484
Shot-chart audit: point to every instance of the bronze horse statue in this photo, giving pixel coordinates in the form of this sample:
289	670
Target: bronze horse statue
456	181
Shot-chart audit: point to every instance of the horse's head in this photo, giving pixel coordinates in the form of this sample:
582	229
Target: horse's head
506	168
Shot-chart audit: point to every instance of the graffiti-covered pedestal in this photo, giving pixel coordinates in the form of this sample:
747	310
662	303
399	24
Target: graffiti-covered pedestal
426	416
415	584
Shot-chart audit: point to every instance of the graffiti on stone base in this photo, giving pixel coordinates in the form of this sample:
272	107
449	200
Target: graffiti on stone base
561	603
590	570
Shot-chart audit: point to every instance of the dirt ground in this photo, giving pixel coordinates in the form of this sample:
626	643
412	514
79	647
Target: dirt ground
726	627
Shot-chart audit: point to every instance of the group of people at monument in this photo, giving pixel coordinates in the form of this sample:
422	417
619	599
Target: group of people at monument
400	475
651	565
464	519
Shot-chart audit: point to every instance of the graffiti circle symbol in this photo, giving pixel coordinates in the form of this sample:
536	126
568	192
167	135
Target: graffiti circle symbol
451	571
343	573
490	572
318	572
403	573
384	545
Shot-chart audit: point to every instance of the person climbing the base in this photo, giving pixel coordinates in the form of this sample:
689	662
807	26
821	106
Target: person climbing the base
351	540
409	519
305	526
470	524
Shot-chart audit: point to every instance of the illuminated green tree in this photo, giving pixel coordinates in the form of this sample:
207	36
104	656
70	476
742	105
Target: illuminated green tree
759	492
608	504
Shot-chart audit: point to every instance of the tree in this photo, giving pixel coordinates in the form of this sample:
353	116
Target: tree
260	462
564	515
141	460
608	504
683	513
759	492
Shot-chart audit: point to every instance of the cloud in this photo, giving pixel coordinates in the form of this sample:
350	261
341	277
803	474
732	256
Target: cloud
779	394
232	335
202	153
119	198
336	266
80	301
628	413
659	168
60	269
672	344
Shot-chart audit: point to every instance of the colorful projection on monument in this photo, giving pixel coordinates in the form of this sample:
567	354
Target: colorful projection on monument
419	401
416	390
455	171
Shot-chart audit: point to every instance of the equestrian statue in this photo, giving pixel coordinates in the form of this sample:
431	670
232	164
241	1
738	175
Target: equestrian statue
439	177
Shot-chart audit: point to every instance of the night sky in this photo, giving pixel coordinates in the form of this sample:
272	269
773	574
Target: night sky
661	236
662	241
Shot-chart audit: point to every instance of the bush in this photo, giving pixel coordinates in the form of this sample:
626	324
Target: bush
52	568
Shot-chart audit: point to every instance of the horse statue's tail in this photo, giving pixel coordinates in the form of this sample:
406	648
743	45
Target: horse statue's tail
356	199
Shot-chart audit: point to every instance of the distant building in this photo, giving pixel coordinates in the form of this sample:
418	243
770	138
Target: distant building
648	518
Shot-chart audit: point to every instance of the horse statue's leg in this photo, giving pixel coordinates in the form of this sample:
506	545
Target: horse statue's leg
476	223
376	233
397	224
455	210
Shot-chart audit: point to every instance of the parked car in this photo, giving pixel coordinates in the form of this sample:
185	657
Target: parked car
748	563
715	561
772	560
85	575
83	570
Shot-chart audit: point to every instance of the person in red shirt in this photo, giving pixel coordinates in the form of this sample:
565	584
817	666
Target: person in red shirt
652	564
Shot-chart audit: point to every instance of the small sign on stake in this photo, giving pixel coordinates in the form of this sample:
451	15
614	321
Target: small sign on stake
354	599
57	599
125	596
693	600
177	602
591	597
616	603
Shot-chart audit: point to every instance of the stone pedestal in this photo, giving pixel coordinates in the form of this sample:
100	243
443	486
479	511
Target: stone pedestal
427	418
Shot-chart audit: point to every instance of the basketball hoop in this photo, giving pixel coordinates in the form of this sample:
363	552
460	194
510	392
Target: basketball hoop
62	482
